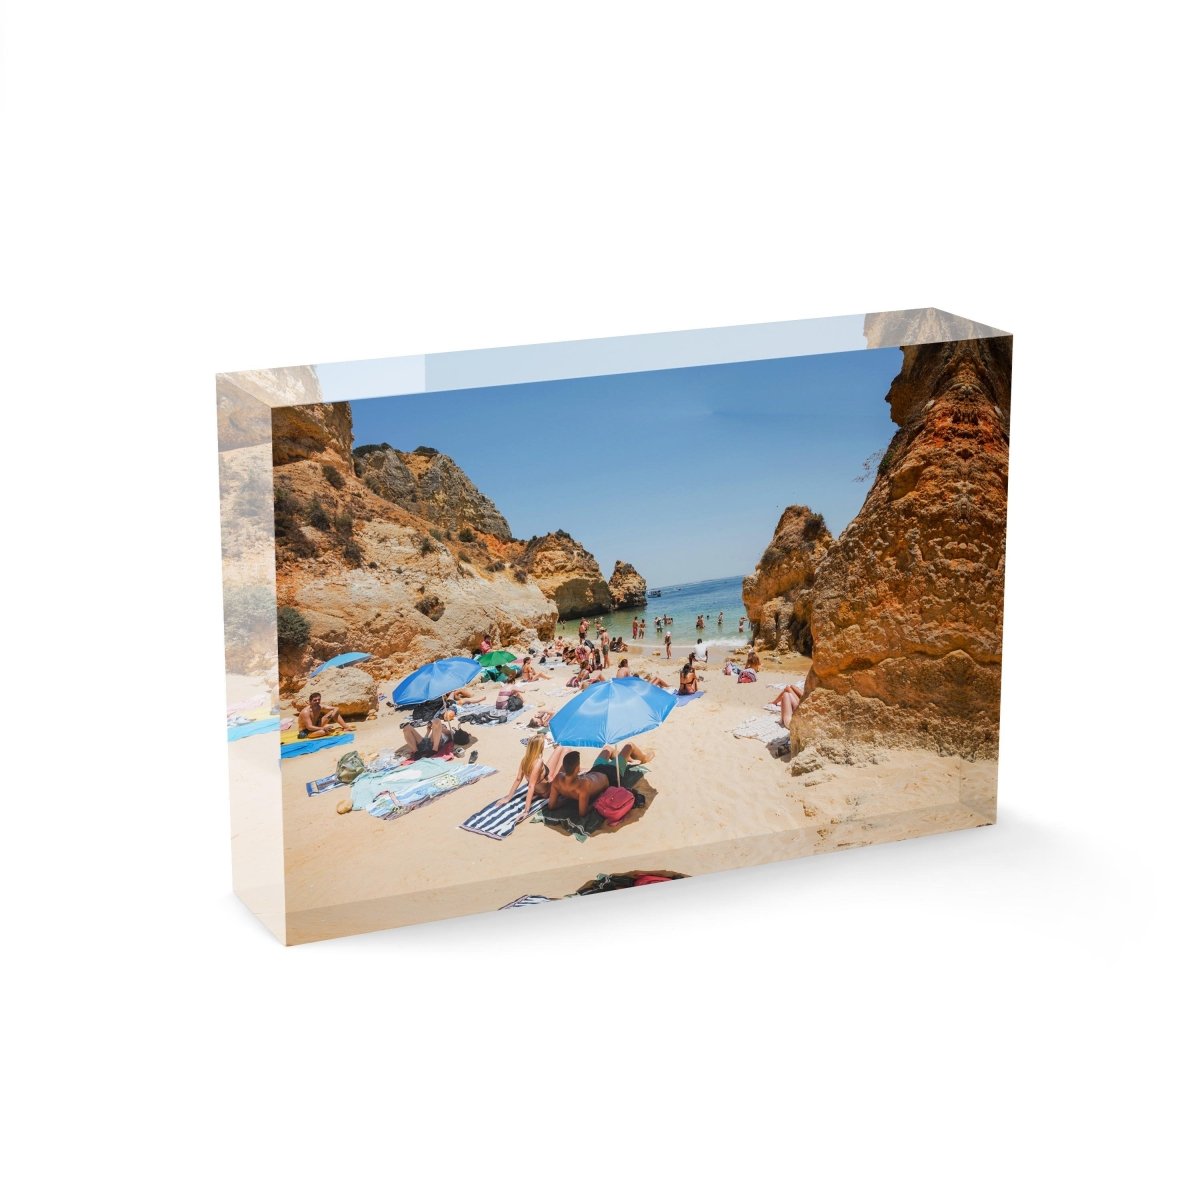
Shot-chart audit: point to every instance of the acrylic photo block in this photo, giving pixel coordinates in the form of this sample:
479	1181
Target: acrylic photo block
510	626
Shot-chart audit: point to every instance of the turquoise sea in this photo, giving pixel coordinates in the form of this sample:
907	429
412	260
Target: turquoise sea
683	602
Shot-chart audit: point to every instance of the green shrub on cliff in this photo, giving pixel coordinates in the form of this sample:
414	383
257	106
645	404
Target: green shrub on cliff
293	628
315	514
333	476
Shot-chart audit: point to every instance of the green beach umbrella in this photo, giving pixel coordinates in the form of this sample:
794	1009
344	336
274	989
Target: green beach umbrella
496	658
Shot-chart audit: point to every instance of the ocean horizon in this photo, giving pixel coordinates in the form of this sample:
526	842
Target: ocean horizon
683	603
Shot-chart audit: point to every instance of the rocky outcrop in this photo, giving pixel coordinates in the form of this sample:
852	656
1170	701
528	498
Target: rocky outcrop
312	432
431	485
350	690
915	326
626	587
907	605
567	574
778	596
368	574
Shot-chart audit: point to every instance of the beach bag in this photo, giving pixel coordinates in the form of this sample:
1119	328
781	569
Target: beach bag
614	804
515	703
350	767
461	737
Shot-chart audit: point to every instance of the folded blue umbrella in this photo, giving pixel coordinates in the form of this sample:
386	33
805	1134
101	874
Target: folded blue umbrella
607	713
342	660
435	679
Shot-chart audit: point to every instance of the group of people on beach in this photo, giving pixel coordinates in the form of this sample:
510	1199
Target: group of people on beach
554	774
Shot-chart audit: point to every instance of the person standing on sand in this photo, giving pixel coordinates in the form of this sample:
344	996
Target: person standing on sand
605	642
315	718
741	624
667	642
583	628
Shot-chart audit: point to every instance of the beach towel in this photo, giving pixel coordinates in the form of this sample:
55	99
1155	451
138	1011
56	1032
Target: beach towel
315	787
393	793
493	716
568	820
293	735
526	901
499	819
680	701
235	733
470	710
312	745
766	730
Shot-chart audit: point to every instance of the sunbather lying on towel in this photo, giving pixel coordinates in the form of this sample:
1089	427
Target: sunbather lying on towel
541	718
614	765
437	740
316	719
570	785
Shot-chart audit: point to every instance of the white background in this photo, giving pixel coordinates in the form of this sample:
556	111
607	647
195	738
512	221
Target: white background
993	1013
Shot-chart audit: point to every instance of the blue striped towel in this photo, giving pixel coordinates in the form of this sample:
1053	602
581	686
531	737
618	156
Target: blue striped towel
499	819
526	901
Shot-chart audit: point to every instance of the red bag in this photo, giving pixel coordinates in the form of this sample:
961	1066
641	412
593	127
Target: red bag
614	804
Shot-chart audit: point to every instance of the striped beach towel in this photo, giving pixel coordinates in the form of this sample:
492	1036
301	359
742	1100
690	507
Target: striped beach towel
526	901
498	819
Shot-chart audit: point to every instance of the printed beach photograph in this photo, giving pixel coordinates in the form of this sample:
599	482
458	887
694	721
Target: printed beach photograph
546	639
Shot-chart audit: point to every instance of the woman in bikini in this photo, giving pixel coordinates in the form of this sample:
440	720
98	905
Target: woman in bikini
537	771
689	684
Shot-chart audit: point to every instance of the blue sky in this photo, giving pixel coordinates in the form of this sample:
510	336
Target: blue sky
682	472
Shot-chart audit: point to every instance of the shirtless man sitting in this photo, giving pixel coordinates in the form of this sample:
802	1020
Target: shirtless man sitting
316	719
569	784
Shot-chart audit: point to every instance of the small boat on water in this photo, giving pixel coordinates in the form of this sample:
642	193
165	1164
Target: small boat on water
656	592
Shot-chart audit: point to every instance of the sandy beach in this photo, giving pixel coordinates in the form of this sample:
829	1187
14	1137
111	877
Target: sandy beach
714	802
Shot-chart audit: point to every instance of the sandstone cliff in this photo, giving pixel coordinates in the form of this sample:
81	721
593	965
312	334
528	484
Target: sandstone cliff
431	485
627	587
567	575
778	596
367	574
907	605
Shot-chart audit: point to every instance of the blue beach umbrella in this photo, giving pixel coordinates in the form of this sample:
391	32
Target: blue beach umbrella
435	679
607	713
342	660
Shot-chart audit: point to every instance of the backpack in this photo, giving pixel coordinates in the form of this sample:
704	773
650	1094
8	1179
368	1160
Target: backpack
349	767
515	703
614	804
